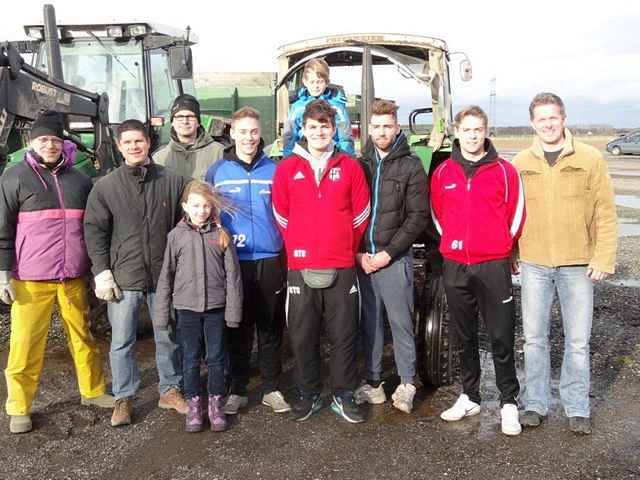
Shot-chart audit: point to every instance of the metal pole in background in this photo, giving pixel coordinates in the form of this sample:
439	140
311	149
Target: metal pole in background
368	94
53	44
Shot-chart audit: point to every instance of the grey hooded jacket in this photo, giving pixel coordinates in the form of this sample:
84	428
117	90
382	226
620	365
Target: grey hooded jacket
190	161
196	275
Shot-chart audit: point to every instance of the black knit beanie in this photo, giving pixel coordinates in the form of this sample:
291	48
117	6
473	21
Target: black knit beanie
186	102
47	123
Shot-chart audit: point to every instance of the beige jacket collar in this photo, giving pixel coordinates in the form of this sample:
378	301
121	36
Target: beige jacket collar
567	149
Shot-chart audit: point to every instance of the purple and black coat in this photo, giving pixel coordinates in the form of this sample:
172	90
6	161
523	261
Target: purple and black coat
41	215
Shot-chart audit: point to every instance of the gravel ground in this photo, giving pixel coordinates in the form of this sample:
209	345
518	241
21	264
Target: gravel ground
74	442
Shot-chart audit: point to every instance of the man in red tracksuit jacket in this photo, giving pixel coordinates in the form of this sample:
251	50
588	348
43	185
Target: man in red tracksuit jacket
321	204
478	208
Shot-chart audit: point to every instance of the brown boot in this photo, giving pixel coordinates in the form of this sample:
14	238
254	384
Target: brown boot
122	412
173	400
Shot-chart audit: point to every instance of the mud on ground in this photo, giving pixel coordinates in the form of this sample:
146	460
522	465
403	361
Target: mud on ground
74	442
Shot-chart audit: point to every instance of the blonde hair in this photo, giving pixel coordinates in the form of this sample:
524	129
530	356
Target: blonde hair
318	66
218	204
471	111
245	112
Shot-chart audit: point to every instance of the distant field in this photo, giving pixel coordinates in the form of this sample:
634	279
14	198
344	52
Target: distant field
517	143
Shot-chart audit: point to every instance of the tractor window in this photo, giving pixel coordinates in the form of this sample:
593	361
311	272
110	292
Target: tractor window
164	88
189	87
104	65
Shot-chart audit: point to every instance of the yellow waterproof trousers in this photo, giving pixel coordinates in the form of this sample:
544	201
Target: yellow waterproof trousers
30	319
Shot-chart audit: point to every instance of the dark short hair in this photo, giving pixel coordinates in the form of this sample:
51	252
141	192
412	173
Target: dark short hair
132	124
546	98
473	111
320	111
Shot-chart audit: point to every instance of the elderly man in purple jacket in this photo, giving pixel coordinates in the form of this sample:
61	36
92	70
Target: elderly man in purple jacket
43	261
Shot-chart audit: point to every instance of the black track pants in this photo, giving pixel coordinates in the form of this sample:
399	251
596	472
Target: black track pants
485	288
335	308
264	290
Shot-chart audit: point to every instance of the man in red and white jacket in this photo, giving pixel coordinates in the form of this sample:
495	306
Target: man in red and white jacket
321	204
478	208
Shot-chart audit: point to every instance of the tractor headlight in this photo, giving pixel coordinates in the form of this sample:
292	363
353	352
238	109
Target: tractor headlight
115	31
36	33
137	30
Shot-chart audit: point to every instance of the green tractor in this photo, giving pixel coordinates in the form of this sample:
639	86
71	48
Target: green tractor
388	66
138	68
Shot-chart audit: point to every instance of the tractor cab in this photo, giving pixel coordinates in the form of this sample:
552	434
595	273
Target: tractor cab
141	66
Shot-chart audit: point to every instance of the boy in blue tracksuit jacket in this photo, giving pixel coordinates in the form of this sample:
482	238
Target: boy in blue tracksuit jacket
244	177
315	78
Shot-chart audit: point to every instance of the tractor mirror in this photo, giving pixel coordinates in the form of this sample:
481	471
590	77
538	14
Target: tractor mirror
466	71
180	62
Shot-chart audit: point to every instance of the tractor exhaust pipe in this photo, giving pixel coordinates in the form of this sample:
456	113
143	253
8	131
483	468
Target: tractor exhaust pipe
53	43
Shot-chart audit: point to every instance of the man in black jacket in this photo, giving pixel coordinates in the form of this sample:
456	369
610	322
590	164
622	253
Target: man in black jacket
128	215
399	205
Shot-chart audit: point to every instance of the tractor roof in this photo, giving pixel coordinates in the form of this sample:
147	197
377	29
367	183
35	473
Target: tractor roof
100	30
411	45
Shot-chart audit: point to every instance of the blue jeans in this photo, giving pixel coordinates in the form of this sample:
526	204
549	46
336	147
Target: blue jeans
123	317
200	331
390	289
575	292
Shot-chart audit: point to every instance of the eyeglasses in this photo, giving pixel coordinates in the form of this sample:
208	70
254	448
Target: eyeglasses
45	140
185	118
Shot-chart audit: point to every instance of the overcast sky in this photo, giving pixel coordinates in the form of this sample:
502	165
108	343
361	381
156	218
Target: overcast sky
587	52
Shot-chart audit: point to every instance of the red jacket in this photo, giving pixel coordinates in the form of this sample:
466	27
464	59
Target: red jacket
322	225
481	217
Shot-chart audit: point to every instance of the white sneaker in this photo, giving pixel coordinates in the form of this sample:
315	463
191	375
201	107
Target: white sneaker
235	403
368	394
276	401
403	397
462	408
510	423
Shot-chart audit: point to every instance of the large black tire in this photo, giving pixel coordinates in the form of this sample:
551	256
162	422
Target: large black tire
438	350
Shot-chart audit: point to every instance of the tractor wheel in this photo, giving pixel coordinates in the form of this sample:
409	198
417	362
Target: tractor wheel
438	350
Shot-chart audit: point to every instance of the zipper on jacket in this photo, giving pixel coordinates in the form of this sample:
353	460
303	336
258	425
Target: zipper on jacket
466	237
374	207
204	266
253	238
64	224
147	251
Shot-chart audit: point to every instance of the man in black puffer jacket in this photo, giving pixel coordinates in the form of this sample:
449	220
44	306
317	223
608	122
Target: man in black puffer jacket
129	213
399	213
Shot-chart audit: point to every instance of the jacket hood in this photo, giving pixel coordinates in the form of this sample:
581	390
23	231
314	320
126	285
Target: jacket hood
69	150
185	223
400	148
469	167
329	92
301	149
202	140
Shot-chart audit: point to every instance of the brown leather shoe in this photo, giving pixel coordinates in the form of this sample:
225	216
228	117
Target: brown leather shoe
173	400
122	412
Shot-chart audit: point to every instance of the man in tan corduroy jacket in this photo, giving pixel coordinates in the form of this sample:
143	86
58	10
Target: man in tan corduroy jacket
569	241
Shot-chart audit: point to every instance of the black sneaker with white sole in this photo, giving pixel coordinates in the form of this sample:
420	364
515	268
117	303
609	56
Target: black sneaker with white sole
306	406
345	406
